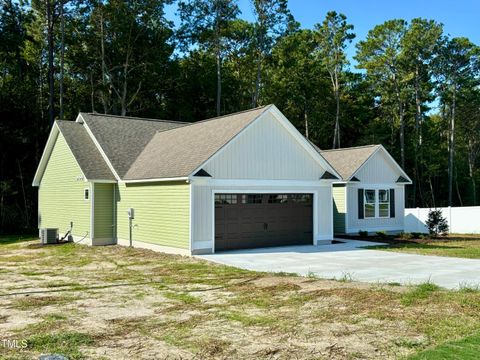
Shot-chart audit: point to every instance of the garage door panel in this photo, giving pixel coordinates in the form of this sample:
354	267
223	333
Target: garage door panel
262	220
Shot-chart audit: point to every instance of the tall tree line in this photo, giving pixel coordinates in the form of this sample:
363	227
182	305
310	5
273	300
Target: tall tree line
413	88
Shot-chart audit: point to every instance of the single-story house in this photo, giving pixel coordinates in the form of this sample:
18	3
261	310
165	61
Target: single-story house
248	179
370	196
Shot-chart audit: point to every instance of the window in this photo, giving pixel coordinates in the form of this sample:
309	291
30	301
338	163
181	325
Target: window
383	203
277	198
305	199
86	194
369	204
252	199
225	199
376	203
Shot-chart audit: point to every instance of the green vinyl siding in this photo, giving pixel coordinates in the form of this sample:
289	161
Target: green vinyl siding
61	193
339	209
103	211
162	213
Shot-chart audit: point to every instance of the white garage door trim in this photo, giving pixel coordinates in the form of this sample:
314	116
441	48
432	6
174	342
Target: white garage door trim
267	191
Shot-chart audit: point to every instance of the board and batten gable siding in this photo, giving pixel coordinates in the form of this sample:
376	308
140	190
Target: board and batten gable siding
103	217
264	158
339	208
264	150
377	173
61	193
354	224
378	170
162	213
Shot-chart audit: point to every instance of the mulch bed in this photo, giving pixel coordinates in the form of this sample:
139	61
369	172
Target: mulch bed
393	240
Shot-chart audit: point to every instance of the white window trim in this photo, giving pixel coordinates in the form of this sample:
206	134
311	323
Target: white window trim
84	190
389	204
365	203
376	203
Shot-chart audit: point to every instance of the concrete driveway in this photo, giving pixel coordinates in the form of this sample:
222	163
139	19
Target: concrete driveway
347	260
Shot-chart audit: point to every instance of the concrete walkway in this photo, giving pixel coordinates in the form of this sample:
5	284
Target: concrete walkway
348	261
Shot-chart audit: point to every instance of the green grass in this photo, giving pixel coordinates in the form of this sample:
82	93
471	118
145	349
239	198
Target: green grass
467	348
251	320
49	322
346	277
13	239
32	273
66	343
419	293
179	333
56	317
469	249
183	297
35	301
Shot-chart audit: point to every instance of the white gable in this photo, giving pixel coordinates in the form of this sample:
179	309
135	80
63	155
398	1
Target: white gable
379	169
265	150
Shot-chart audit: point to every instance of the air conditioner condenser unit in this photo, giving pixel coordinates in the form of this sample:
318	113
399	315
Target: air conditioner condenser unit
48	236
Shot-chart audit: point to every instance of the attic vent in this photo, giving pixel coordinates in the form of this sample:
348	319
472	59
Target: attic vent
202	172
354	179
328	176
401	179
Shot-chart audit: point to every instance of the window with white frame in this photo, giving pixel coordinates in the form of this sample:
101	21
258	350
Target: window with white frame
86	193
383	203
376	203
369	203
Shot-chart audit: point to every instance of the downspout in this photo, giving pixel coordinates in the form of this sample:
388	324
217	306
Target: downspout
191	237
114	209
92	209
346	208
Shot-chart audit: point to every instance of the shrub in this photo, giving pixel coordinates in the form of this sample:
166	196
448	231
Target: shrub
436	223
381	234
416	235
363	233
405	236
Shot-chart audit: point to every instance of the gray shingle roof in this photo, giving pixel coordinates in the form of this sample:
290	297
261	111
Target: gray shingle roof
122	138
84	150
178	152
347	161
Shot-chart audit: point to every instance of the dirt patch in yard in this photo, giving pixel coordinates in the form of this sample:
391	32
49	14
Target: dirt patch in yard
120	303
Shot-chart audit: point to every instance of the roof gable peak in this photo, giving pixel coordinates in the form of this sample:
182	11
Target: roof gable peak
184	150
352	148
134	118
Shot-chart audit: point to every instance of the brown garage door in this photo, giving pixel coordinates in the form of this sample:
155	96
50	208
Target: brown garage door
260	220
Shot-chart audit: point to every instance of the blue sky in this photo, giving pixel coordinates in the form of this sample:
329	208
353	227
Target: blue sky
460	17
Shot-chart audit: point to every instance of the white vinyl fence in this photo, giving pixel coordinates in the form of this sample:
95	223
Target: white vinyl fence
461	220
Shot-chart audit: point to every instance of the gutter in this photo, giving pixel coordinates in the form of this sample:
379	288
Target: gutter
183	178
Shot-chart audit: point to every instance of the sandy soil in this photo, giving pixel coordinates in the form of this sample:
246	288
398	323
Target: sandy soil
136	304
